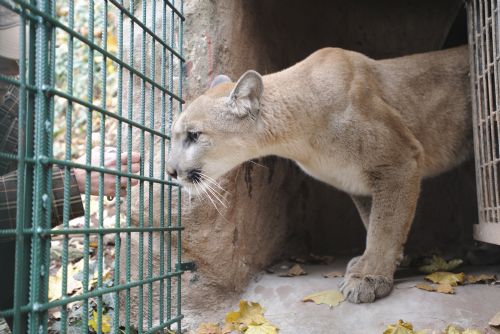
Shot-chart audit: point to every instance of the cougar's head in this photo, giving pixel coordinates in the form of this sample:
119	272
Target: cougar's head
217	131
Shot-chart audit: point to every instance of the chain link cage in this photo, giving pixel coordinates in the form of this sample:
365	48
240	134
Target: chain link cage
75	83
484	44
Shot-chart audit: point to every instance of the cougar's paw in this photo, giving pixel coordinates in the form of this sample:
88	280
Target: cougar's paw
365	289
351	263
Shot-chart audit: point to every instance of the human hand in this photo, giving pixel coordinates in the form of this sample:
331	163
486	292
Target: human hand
109	179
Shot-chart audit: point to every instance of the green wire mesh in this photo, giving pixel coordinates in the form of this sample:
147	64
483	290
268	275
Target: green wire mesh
67	104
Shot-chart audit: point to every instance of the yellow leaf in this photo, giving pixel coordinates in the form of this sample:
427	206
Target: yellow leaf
426	287
401	327
495	321
482	278
112	43
261	329
445	288
73	285
450	329
105	323
471	331
334	274
249	313
296	270
439	264
208	328
446	277
329	297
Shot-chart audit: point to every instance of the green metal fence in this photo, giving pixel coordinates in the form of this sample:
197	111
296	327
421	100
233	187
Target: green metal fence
49	112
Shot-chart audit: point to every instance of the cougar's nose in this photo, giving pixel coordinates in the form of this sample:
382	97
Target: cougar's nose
172	172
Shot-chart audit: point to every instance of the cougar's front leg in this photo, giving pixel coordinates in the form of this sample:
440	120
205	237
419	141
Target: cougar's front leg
364	206
395	194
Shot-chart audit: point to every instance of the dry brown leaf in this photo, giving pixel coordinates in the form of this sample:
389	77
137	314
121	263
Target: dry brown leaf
481	278
296	270
209	328
334	274
329	297
439	264
495	321
446	277
426	287
445	288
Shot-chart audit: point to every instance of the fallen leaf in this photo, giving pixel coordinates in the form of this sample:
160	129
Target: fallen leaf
261	329
445	288
334	274
249	315
329	297
208	328
105	323
450	329
482	278
446	277
72	285
437	263
471	331
296	270
401	327
442	288
426	287
495	321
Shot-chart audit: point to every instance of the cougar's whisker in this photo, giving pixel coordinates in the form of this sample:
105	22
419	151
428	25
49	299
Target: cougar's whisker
209	183
211	180
216	195
255	163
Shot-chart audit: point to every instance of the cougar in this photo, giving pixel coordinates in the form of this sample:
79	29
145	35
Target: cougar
371	128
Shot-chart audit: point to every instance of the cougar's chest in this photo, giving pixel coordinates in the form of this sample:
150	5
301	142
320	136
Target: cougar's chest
342	175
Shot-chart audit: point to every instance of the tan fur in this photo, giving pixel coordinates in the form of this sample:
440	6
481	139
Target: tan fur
371	128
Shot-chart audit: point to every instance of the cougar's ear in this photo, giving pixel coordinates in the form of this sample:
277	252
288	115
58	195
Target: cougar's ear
244	100
221	78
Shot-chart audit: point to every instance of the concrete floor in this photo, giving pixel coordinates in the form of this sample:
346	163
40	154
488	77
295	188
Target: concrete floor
472	306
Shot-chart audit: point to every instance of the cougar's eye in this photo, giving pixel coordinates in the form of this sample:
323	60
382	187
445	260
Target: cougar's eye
193	136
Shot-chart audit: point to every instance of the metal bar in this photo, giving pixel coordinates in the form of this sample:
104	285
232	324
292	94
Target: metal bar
90	294
141	184
23	216
129	167
167	323
94	46
118	117
102	127
144	28
66	208
105	230
179	195
162	163
152	71
38	93
88	161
